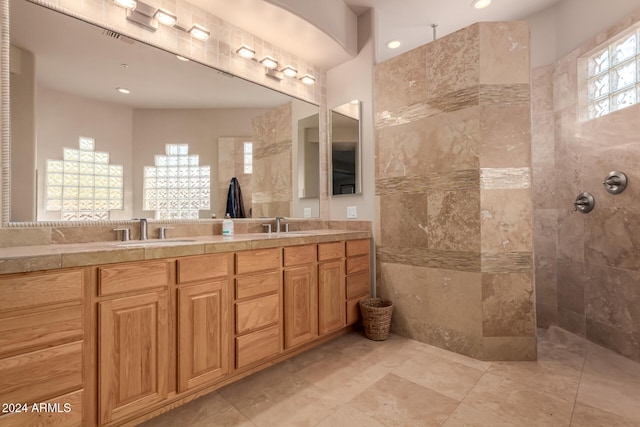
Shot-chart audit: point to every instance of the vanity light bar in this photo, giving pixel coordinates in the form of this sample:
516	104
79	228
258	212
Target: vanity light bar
271	66
148	16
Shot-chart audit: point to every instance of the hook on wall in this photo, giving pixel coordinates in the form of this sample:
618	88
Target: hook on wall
615	182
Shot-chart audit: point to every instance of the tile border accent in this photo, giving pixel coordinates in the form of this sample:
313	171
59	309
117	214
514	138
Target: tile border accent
511	94
505	178
448	260
466	179
507	262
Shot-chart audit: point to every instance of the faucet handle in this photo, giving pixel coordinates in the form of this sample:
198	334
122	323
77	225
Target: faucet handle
162	232
126	233
268	227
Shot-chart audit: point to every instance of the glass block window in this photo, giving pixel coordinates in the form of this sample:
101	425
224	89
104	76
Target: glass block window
83	185
177	187
248	157
614	76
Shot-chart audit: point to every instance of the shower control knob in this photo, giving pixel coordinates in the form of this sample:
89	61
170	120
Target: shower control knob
615	182
584	203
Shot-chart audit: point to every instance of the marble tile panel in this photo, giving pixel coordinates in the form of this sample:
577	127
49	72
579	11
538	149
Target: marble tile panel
507	262
21	265
399	402
393	89
102	257
545	223
610	131
457	358
450	260
452	181
151	252
509	348
565	84
559	347
621	341
571	235
453	72
612	238
443	143
566	131
88	234
571	285
405	220
588	416
610	383
505	136
506	227
542	126
544	186
518	403
200	413
572	321
440	374
508	305
612	297
546	314
447	298
453	223
504	52
505	178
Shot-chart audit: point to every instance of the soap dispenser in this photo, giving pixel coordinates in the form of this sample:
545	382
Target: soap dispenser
227	226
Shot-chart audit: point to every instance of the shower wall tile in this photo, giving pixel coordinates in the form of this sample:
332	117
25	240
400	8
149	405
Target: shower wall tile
621	341
504	53
571	283
447	73
612	237
572	321
406	220
505	135
506	226
453	223
571	234
543	185
509	348
508	305
542	124
393	89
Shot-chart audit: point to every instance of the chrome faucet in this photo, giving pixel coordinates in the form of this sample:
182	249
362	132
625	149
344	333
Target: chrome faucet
143	228
279	223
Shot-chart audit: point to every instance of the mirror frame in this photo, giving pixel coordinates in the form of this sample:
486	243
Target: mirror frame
358	189
294	89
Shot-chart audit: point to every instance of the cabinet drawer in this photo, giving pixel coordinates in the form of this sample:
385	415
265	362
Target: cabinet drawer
358	285
39	375
257	346
357	247
68	413
43	329
257	313
259	260
37	289
203	267
132	277
357	264
353	311
262	284
299	255
328	251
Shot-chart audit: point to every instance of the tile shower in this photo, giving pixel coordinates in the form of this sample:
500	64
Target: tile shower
456	227
454	213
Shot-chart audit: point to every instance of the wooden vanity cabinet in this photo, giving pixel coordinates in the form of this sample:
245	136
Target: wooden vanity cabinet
203	319
257	306
300	295
358	282
133	338
331	283
42	347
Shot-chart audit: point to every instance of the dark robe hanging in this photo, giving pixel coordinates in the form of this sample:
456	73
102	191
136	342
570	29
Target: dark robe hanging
235	207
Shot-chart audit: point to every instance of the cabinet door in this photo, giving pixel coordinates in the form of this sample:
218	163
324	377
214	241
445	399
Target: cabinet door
203	340
300	305
133	348
331	308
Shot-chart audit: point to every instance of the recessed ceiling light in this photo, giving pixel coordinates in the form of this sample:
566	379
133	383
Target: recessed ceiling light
481	4
182	58
394	44
123	90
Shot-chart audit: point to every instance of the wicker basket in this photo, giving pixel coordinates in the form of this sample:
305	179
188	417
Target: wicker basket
376	317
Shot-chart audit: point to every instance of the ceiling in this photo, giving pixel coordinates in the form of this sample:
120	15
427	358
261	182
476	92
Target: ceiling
408	21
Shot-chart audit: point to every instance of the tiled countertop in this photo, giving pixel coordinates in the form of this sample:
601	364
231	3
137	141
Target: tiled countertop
46	257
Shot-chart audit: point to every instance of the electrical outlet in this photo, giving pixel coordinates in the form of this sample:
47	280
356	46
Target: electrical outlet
352	212
307	212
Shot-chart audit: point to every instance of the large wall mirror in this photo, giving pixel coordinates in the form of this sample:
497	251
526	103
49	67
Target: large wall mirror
345	149
106	127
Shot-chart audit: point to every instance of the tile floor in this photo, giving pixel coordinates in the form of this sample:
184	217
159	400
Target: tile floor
354	382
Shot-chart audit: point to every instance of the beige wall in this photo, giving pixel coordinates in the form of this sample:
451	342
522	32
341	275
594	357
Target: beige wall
588	265
62	118
23	133
454	215
200	128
